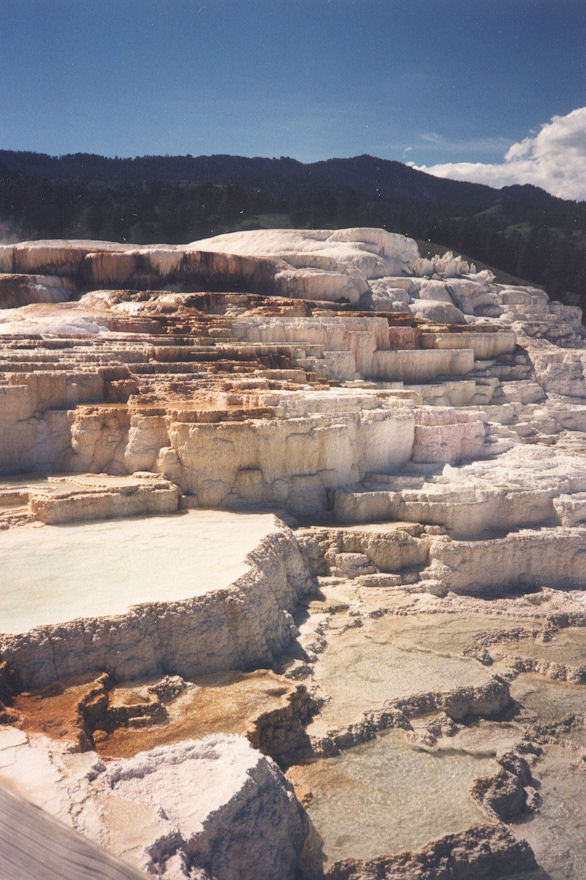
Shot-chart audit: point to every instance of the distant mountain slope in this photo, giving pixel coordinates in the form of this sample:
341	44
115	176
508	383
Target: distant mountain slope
375	178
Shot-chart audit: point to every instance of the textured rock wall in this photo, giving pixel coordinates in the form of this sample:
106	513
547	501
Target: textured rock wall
94	264
20	290
289	462
560	371
527	559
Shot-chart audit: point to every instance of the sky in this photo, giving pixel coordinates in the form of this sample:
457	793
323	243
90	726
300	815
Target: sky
485	90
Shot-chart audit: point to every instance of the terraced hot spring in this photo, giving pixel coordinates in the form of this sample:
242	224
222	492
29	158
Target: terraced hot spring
389	658
568	646
57	573
386	796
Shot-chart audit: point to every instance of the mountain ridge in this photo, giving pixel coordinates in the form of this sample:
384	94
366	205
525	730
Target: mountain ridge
365	173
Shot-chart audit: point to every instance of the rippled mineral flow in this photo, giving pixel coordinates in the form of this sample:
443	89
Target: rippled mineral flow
293	540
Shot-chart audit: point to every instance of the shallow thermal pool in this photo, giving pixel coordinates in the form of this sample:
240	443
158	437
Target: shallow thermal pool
556	832
57	573
385	796
567	646
548	701
391	658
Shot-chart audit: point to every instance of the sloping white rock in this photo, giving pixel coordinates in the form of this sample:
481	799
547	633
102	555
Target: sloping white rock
368	250
560	371
221	806
525	486
438	312
320	263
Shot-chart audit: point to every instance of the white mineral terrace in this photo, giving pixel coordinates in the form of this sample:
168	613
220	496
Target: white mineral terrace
59	573
409	647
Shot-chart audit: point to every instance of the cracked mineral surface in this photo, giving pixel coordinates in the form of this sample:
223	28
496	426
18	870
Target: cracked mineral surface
293	532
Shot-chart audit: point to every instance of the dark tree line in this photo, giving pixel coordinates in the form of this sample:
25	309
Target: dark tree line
143	212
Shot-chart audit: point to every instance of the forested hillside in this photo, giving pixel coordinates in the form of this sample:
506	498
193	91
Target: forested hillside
519	229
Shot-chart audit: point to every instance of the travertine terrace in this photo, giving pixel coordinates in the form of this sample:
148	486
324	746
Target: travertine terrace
343	490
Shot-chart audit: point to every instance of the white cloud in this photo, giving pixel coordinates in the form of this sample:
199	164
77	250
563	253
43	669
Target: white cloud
554	159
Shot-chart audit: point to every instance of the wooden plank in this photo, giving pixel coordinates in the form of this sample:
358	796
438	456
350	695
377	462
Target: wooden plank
35	846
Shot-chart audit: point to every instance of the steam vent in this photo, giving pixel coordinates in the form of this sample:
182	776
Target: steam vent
293	542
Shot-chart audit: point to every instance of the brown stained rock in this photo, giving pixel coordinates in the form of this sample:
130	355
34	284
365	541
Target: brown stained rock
74	709
505	794
8	688
66	710
280	732
268	709
8	683
21	290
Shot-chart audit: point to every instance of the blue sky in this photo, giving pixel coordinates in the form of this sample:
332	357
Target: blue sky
432	82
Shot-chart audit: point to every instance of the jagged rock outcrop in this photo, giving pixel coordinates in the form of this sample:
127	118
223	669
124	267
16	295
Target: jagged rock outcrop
242	819
491	853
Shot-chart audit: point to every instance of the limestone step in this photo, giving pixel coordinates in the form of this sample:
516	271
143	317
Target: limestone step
464	513
485	345
421	365
521	488
352	565
81	497
524	392
527	558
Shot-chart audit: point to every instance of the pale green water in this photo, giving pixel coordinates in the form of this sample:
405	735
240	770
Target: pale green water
385	797
567	646
57	573
391	658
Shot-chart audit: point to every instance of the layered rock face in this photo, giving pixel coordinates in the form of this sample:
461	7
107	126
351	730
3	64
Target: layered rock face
419	431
